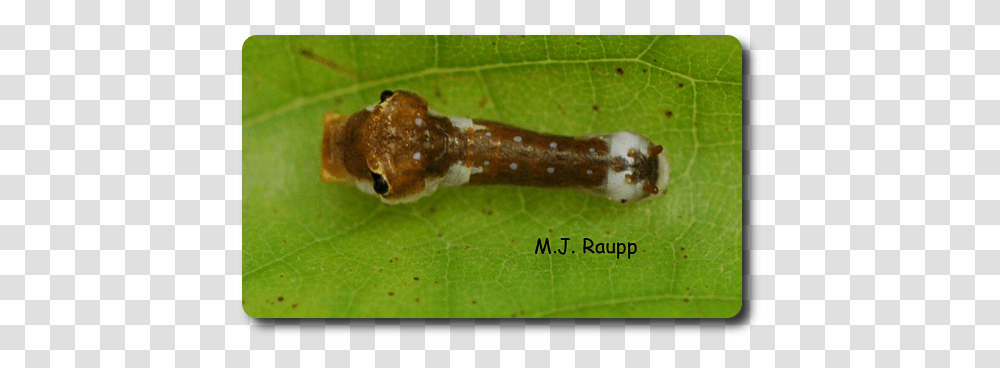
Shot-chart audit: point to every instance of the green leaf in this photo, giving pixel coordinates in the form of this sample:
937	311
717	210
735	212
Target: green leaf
314	249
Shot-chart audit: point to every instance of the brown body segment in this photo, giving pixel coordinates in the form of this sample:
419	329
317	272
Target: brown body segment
511	155
387	141
392	139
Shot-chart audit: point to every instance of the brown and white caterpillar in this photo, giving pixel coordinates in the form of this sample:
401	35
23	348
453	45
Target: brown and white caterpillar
400	150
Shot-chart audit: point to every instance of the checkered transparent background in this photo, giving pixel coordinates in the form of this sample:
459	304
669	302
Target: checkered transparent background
872	165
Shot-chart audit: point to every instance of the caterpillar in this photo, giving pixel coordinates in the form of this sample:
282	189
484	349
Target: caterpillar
401	150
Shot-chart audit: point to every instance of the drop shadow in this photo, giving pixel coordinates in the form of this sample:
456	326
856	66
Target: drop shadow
741	318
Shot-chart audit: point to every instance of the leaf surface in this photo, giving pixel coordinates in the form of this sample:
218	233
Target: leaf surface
313	249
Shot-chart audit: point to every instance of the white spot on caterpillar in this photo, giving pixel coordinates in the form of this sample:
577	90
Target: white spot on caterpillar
419	121
517	138
551	170
513	166
486	163
416	156
553	145
616	188
488	134
591	149
590	172
463	123
458	174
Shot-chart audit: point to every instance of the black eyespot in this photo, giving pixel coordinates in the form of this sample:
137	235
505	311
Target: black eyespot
380	185
385	95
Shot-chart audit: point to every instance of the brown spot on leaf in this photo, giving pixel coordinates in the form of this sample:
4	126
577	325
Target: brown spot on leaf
669	114
391	293
416	279
680	85
620	71
482	102
417	300
281	298
296	305
686	300
473	302
596	108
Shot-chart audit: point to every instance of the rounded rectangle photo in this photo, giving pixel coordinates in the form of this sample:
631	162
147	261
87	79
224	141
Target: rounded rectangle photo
492	176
